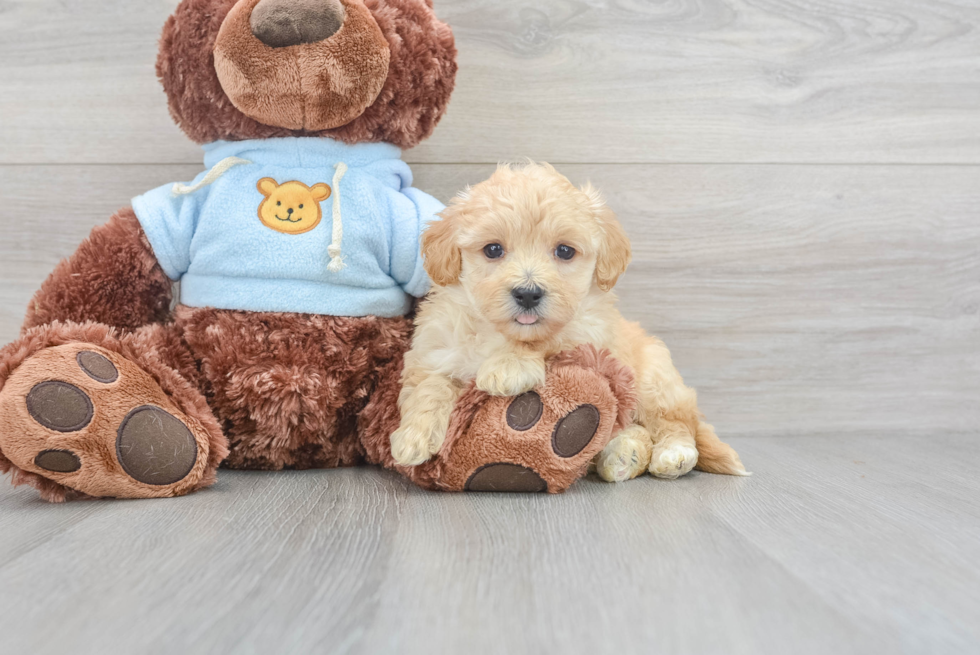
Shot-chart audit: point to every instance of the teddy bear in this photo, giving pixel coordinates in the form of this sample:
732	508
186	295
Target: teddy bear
297	254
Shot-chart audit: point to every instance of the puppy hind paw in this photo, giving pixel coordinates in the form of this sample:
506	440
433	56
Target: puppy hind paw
625	457
617	466
673	461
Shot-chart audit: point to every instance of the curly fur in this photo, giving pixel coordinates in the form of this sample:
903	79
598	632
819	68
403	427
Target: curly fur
620	378
421	77
288	387
113	278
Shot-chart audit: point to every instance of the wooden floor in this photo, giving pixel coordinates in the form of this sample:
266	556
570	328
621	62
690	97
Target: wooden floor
835	545
801	182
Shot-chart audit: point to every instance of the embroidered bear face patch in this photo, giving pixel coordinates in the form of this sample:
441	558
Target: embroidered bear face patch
291	207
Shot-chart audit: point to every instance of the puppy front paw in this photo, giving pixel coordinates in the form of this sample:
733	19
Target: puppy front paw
412	445
510	375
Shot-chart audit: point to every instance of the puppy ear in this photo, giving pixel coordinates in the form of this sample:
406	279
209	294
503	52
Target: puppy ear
615	252
442	258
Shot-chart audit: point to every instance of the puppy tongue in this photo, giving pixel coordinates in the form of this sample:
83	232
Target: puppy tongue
527	319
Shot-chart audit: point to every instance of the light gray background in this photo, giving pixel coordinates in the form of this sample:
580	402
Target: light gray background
801	181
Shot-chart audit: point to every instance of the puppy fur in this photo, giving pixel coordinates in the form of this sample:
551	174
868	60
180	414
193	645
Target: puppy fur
474	327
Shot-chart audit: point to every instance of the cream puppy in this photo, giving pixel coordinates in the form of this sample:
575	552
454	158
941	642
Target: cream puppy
524	264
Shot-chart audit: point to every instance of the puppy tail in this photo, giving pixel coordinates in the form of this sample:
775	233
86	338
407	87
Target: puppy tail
714	455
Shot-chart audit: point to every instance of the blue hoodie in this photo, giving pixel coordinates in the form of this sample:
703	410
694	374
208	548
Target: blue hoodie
306	225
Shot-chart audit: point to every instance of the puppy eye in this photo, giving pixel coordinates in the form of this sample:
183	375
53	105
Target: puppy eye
493	251
564	252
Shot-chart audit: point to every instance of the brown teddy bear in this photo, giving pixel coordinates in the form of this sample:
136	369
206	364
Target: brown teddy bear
297	252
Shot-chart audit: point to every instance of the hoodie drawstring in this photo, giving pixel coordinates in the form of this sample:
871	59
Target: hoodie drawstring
336	262
217	171
334	249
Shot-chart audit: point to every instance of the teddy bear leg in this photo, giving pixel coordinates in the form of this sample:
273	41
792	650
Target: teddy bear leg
542	440
289	387
112	278
84	411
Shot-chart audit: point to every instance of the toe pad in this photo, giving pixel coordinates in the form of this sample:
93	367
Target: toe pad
506	477
574	432
59	461
97	367
524	413
60	406
154	447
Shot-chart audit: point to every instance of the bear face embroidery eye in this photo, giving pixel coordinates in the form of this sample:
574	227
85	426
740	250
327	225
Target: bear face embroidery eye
564	252
278	203
493	251
301	206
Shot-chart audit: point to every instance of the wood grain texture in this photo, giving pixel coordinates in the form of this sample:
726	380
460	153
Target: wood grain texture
796	299
563	80
834	545
833	298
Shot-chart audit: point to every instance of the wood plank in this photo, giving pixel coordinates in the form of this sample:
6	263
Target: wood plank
884	529
356	561
565	80
835	545
797	299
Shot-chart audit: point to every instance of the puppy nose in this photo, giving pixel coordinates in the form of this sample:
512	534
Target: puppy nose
528	298
282	23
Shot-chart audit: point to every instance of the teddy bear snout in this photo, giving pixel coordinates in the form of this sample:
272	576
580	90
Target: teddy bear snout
284	23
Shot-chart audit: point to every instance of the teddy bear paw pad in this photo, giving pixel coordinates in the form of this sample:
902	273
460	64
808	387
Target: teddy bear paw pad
155	447
506	477
574	432
59	461
60	406
96	366
542	443
525	411
93	421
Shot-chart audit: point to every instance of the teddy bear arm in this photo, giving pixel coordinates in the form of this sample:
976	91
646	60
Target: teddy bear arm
112	278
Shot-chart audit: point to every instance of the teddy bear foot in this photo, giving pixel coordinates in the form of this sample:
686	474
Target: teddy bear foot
90	420
547	438
540	441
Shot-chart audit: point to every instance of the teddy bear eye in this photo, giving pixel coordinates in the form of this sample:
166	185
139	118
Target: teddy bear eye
564	252
301	206
278	203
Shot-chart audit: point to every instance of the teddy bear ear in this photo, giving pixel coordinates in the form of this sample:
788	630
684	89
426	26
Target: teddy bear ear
266	186
320	191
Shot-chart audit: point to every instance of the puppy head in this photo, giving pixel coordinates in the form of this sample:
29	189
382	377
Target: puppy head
527	246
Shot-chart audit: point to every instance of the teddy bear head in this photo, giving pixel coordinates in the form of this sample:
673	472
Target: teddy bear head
352	70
